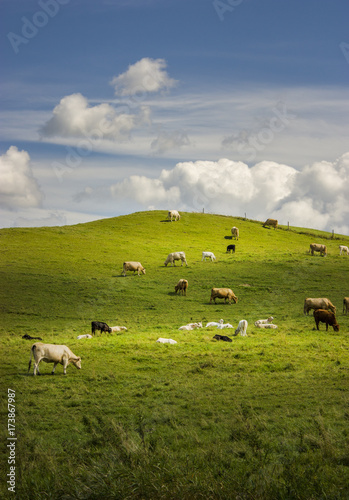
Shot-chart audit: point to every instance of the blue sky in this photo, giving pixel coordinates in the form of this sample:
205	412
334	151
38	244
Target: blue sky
234	106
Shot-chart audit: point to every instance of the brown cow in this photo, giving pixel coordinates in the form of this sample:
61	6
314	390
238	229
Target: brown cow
223	293
271	222
328	317
182	287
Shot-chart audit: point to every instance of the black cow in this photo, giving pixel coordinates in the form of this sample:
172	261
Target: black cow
28	337
99	325
231	248
222	337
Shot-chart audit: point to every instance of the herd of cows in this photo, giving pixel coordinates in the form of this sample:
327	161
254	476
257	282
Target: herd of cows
324	310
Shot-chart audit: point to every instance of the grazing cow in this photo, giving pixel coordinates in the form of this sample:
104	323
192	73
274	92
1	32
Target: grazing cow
328	317
52	353
343	249
173	214
166	341
264	321
316	247
242	328
118	328
223	337
28	337
235	232
346	305
86	336
231	248
208	255
321	303
223	293
214	323
99	325
271	222
172	257
182	287
133	266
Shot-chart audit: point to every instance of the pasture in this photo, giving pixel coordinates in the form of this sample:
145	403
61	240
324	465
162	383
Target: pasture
263	417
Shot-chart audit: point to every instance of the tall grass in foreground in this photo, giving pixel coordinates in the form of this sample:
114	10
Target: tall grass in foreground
263	417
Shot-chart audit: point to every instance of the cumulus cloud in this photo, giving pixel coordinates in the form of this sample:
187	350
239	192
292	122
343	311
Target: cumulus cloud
312	197
146	75
18	186
73	117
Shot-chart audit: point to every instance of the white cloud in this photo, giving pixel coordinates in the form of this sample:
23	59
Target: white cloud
146	75
73	117
167	141
18	186
312	197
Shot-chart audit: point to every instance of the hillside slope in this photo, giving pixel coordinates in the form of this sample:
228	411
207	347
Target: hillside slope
60	279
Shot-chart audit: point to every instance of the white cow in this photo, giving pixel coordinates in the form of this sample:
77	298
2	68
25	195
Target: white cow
166	341
172	257
266	325
264	321
242	328
173	214
208	255
214	323
343	249
133	266
86	336
225	325
190	326
52	353
235	232
118	328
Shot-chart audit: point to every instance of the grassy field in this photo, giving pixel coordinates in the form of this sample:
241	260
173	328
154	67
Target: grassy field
262	417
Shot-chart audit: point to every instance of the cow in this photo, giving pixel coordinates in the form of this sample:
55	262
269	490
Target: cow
316	247
190	326
271	222
223	293
321	303
166	341
343	249
173	214
264	321
208	255
222	337
172	257
242	328
52	353
86	336
99	325
28	337
231	248
182	287
215	323
133	266
235	232
118	328
346	305
224	325
266	325
328	317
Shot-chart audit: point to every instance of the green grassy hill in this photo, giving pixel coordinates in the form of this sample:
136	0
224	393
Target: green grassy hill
262	417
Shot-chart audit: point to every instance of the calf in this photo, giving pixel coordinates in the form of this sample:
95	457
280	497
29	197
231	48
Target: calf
99	325
328	317
343	249
231	248
51	353
346	305
222	337
182	287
